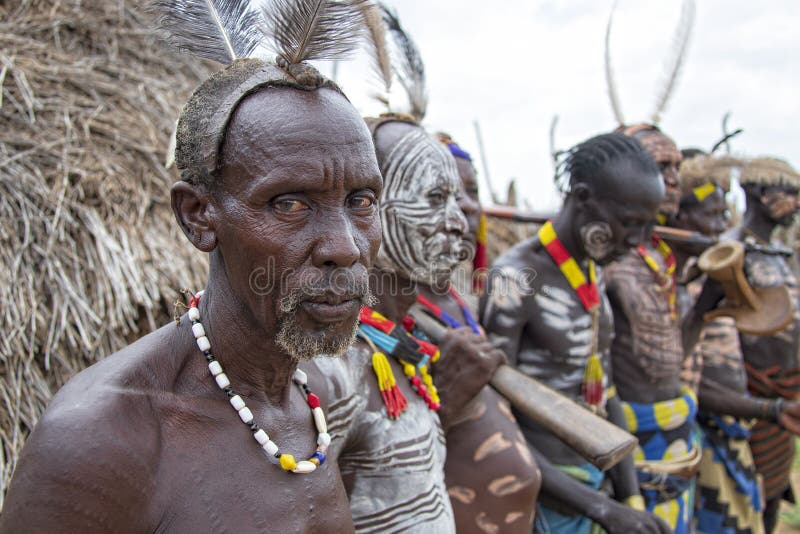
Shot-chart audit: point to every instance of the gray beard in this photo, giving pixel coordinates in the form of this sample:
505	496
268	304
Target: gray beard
301	346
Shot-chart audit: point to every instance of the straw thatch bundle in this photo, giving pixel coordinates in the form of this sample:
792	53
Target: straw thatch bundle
504	234
90	257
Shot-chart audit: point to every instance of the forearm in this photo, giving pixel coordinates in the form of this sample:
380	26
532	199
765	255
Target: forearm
717	399
623	475
576	496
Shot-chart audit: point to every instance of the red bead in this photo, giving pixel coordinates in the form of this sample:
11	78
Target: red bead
416	381
313	401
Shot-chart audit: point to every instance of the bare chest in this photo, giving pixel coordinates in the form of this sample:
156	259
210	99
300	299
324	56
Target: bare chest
214	477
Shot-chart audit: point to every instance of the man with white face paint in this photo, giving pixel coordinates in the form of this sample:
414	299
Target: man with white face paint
423	224
555	324
398	483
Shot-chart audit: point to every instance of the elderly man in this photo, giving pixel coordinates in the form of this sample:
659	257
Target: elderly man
218	423
557	326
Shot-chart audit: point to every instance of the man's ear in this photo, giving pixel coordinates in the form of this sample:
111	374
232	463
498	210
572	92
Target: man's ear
582	193
194	213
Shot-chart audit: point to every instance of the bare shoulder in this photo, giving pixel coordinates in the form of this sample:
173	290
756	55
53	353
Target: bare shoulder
90	464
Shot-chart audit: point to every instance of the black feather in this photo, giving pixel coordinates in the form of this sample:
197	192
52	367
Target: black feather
304	30
408	65
219	30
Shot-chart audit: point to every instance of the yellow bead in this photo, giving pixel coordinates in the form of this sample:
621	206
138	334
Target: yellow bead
409	370
287	462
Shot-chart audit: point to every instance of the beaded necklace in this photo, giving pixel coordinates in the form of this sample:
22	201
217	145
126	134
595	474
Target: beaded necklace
286	461
414	354
448	319
592	387
667	279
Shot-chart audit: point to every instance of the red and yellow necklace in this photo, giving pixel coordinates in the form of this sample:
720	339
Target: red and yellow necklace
667	280
587	293
414	354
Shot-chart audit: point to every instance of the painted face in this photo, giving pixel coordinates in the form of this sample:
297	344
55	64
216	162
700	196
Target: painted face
423	227
296	216
781	203
469	201
709	217
667	156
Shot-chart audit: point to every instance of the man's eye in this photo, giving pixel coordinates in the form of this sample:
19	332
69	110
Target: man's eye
290	206
436	197
362	201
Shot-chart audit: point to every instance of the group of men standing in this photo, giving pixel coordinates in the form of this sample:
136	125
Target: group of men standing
326	234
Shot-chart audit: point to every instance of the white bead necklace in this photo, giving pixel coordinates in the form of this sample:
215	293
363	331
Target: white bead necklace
286	461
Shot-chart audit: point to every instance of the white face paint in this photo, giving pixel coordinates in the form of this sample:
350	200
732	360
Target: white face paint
597	239
423	227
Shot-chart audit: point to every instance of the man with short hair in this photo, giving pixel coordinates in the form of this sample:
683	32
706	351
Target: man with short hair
217	423
545	307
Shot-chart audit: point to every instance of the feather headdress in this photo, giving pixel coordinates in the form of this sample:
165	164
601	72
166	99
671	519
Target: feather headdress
219	30
379	50
229	32
674	64
407	64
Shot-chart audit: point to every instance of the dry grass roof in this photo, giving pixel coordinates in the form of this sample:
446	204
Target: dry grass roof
90	257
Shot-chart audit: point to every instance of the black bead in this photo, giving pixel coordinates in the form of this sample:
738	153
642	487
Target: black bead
209	357
254	427
229	391
306	388
278	455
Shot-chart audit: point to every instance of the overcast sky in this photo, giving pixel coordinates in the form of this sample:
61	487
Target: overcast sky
512	64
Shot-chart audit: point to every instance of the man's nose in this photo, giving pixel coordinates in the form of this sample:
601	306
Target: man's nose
335	243
454	220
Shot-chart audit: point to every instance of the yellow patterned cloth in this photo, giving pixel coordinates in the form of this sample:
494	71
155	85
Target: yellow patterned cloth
667	456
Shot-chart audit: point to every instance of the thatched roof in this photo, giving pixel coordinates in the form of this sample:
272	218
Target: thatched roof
90	257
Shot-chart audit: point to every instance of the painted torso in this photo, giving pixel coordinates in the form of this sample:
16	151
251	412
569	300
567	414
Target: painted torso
491	476
393	469
545	330
647	352
782	349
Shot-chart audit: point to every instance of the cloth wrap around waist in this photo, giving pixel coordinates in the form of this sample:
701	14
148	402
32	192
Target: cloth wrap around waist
729	497
772	446
552	521
667	456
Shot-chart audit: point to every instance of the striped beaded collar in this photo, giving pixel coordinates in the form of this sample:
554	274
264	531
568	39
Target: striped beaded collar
286	461
586	290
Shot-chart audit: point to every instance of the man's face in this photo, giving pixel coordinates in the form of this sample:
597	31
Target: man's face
667	156
620	215
296	216
709	217
423	226
781	203
469	201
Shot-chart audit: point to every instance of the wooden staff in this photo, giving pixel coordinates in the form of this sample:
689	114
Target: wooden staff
599	441
668	233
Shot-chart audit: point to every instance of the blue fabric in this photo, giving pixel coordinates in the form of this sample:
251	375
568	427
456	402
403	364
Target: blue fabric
548	521
459	152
